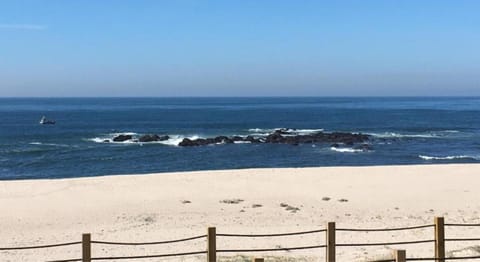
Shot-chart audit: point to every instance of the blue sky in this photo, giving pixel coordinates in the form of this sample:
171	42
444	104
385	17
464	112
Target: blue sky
239	48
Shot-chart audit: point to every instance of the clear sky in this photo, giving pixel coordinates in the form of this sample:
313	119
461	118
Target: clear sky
239	48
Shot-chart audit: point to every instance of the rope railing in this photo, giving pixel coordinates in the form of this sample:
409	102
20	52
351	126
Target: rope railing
151	256
428	259
273	235
66	260
384	229
386	243
329	246
462	225
462	258
269	249
462	239
439	259
40	246
148	243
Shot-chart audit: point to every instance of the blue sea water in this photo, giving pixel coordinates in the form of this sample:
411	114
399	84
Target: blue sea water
420	130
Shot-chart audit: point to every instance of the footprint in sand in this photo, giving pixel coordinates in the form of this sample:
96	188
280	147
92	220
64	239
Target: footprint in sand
231	201
290	208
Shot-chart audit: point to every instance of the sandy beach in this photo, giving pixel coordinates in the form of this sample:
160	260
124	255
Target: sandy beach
155	207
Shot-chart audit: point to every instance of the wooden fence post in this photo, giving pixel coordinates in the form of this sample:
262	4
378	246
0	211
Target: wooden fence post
86	248
257	259
400	255
211	245
330	241
440	239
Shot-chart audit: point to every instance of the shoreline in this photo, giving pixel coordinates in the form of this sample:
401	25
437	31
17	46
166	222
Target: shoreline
164	206
234	171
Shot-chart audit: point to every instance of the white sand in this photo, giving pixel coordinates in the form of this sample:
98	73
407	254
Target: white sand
149	208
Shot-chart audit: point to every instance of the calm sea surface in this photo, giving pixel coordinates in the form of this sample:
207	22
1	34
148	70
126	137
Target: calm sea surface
404	130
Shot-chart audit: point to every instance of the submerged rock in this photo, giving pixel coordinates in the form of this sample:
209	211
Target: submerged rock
364	147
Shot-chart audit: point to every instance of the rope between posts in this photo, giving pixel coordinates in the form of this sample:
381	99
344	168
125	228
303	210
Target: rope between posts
385	243
151	256
462	239
270	249
462	225
66	260
42	246
383	229
148	243
461	258
273	235
422	259
436	259
428	259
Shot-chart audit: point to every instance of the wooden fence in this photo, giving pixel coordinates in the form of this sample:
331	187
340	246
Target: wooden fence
329	247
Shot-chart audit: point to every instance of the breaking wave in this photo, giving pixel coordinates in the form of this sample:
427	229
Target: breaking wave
346	150
173	140
449	157
433	134
267	131
47	144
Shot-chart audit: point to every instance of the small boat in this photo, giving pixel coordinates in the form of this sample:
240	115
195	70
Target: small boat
45	121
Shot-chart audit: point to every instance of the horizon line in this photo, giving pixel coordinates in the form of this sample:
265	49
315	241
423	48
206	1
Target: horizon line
325	96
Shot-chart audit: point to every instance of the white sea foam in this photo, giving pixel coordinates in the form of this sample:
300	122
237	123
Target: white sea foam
99	139
242	142
267	131
450	131
397	135
260	130
449	157
432	134
260	134
346	150
174	140
48	144
124	133
307	131
108	138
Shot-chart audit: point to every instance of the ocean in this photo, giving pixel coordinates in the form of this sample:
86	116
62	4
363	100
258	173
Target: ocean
404	130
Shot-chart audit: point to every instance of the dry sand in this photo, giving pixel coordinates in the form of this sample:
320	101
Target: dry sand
168	206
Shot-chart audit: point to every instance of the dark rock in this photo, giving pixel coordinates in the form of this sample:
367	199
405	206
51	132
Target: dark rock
237	138
122	138
280	137
274	138
252	139
223	139
163	138
152	138
148	138
187	142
